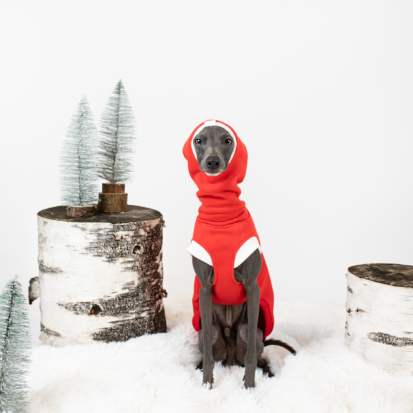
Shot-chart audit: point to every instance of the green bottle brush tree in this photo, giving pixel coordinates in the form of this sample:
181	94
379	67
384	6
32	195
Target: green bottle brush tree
117	135
15	348
78	163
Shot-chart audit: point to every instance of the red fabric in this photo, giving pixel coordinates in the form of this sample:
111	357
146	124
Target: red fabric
222	226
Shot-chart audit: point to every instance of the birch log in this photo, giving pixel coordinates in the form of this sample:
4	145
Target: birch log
100	277
379	325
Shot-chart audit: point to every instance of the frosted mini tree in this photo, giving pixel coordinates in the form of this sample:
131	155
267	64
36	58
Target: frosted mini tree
117	134
15	345
78	160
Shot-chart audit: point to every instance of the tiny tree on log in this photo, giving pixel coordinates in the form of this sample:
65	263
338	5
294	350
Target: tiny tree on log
78	160
15	347
117	134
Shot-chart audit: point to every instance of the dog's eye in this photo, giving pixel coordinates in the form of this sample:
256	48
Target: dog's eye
228	141
198	141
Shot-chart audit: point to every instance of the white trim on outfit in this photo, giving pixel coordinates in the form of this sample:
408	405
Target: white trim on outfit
246	249
199	252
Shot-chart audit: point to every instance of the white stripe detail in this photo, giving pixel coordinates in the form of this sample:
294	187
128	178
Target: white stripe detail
247	248
214	123
199	252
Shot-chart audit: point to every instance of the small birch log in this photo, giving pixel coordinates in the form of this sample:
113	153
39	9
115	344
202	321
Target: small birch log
100	277
379	325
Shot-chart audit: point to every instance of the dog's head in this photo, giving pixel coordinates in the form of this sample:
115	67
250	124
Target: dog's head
214	147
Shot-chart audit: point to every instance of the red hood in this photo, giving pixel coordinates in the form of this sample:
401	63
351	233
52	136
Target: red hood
219	194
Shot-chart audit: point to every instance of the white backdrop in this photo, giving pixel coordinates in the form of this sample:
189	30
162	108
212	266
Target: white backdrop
321	92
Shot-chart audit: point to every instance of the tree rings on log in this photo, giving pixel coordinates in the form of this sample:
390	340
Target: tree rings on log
379	319
81	211
134	214
397	275
100	277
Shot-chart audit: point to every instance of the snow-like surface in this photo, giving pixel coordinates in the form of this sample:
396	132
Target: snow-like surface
157	373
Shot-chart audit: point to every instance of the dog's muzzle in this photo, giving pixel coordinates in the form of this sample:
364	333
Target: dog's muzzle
213	162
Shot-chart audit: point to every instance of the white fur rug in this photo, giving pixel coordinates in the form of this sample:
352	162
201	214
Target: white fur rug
157	373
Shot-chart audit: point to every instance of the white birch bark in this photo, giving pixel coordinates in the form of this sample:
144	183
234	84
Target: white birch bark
379	325
99	281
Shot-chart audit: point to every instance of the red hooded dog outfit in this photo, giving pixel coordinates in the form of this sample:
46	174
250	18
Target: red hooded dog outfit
224	234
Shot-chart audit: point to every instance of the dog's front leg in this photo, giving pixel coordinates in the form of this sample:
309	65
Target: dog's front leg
205	273
247	273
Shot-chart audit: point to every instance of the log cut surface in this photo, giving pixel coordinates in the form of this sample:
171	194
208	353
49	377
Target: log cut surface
134	214
379	325
391	274
101	277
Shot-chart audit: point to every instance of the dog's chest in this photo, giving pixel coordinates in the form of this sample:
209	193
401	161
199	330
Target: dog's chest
228	315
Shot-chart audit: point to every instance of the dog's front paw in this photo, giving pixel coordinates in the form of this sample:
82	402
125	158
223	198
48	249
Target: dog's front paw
249	382
208	379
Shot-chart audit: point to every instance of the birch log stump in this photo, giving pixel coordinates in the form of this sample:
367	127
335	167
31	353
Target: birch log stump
100	277
379	324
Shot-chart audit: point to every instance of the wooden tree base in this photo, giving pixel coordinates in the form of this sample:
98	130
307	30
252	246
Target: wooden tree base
113	198
113	188
112	203
81	211
379	325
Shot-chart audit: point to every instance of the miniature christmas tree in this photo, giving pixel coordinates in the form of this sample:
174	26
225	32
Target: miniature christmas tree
15	345
117	133
78	161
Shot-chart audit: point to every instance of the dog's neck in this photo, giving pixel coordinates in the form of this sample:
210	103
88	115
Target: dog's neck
220	201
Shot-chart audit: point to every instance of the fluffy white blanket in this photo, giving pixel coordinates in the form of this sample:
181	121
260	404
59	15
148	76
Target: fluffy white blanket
156	373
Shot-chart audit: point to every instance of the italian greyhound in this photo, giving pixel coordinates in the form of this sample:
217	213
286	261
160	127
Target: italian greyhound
229	333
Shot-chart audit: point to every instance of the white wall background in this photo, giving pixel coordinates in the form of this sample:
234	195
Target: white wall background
321	92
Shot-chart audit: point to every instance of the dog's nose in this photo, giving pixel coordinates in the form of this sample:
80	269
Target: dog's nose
213	162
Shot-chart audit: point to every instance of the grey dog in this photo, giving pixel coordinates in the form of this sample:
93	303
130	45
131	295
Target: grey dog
228	336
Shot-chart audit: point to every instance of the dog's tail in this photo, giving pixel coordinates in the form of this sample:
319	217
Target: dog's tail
272	342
